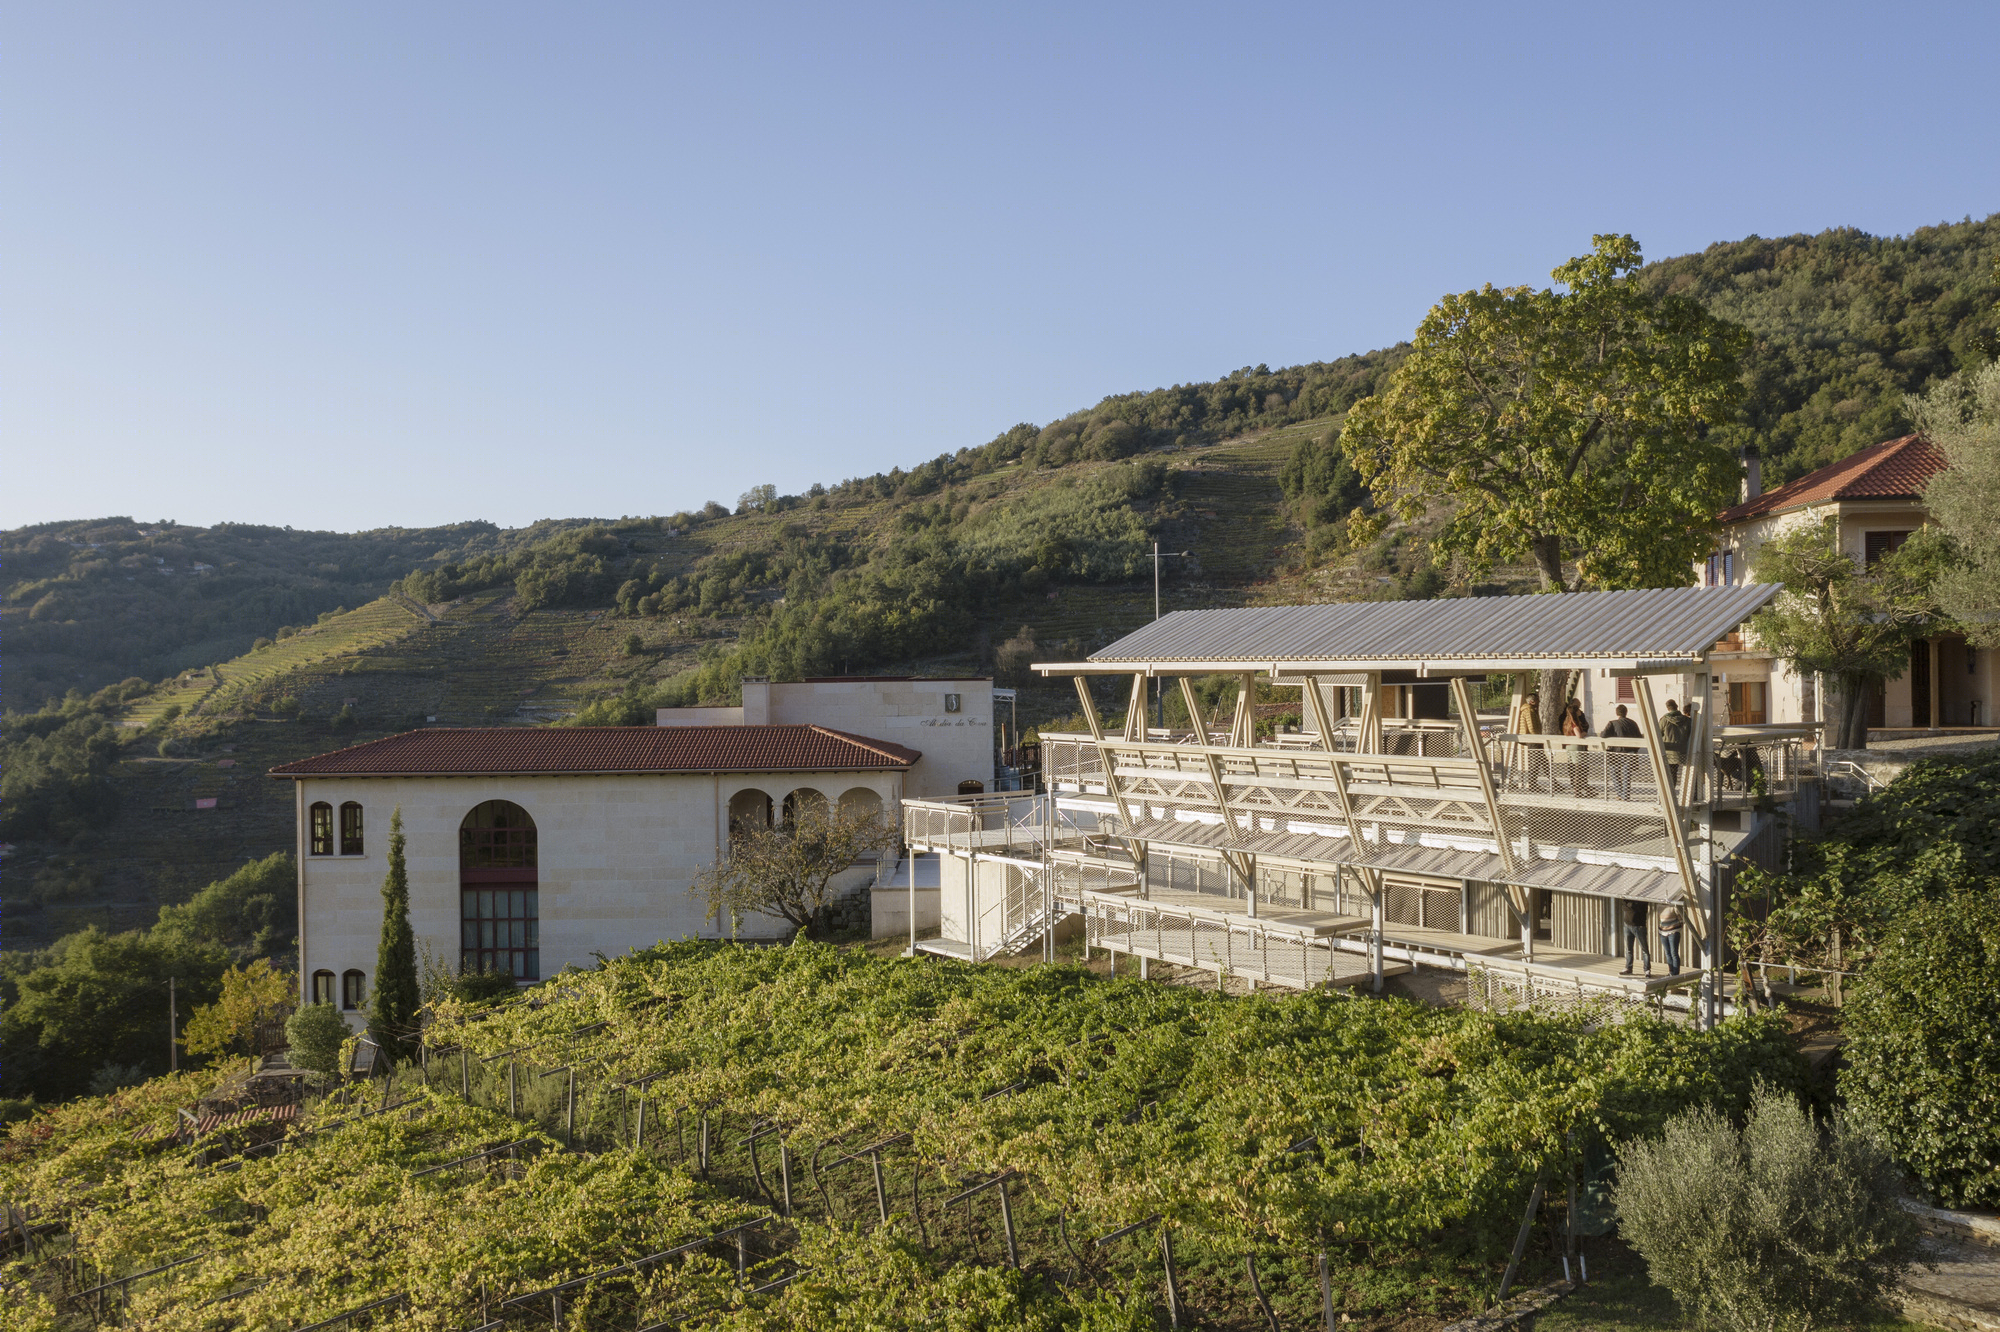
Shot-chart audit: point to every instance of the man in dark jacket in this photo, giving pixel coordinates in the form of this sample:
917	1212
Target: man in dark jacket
1675	732
1621	759
1635	936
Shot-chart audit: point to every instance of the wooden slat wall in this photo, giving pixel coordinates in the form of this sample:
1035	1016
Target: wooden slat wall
1487	913
1582	924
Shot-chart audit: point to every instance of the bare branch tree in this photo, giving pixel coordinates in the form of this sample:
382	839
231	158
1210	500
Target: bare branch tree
788	871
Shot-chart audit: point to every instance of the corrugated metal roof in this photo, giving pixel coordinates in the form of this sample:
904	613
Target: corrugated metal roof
1645	624
519	750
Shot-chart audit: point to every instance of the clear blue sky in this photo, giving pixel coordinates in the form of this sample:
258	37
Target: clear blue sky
350	265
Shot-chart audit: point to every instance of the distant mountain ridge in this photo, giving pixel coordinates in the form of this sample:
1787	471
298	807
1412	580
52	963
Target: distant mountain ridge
1845	324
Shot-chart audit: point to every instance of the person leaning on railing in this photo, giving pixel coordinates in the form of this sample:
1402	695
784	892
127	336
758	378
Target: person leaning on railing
1621	759
1675	732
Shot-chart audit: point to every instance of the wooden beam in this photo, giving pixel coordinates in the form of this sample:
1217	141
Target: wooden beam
1669	807
1105	754
1196	718
1243	727
1476	745
1135	708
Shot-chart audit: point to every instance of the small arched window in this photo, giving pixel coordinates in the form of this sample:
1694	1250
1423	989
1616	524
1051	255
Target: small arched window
321	823
353	989
350	829
322	987
971	788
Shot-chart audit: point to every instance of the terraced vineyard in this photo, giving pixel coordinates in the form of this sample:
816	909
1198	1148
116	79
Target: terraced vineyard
805	1137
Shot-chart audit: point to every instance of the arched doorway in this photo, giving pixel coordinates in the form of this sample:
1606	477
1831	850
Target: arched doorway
859	802
498	892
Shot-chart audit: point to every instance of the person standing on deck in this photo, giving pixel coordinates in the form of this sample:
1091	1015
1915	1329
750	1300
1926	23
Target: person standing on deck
1528	721
1675	732
1577	725
1620	760
1635	935
1670	938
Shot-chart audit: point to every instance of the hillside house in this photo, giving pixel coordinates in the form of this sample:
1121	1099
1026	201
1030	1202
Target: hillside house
533	849
1401	826
1876	496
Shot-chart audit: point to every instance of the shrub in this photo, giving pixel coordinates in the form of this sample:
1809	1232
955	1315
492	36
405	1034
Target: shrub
634	645
1776	1226
1923	1054
315	1034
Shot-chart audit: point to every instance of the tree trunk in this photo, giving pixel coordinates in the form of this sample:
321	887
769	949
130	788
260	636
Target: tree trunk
1553	686
1549	562
1850	730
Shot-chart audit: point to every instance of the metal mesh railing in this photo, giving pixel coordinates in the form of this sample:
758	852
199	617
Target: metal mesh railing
1492	989
1245	951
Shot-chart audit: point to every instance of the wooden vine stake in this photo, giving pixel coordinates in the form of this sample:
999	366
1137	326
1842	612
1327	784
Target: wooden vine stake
1173	1283
1326	1290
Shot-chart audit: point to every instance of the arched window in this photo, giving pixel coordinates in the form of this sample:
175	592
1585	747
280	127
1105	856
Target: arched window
971	788
350	829
749	811
498	893
803	799
859	802
353	989
321	822
322	987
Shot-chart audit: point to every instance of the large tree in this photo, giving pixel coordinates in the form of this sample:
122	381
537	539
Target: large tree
1961	416
392	1014
788	871
1568	428
1853	625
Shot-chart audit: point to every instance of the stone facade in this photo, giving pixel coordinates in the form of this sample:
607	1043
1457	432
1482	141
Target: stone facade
617	856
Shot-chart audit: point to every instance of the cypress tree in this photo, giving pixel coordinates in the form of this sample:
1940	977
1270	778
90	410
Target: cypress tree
392	1012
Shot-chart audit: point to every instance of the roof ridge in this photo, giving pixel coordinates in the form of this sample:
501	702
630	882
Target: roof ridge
861	741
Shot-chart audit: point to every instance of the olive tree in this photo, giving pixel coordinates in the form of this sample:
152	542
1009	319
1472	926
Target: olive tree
1852	624
1565	428
1780	1226
788	871
1961	416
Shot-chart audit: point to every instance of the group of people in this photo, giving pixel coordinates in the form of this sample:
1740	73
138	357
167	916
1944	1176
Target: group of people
1676	732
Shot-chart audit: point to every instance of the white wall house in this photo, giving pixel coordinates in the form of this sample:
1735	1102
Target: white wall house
1876	498
532	849
949	719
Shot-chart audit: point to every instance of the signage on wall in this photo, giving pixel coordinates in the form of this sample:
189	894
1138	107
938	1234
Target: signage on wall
951	702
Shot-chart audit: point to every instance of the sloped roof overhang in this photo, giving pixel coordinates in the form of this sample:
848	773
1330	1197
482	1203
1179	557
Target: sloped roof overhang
1647	630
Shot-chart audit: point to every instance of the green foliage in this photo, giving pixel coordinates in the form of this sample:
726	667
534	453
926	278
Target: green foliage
1844	325
1424	1118
95	999
1838	618
315	1034
1776	1227
1923	1052
250	995
254	910
1561	426
392	1009
56	766
1961	416
1322	484
1932	833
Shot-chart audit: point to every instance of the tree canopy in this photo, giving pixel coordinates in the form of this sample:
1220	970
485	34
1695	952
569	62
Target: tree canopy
1567	427
1961	416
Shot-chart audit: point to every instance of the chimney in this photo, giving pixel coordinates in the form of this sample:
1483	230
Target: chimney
756	700
1753	473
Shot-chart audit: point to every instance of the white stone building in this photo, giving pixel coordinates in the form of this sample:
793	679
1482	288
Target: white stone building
532	849
949	719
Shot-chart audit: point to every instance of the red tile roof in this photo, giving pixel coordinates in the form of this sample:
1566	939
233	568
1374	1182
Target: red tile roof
1893	469
520	750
